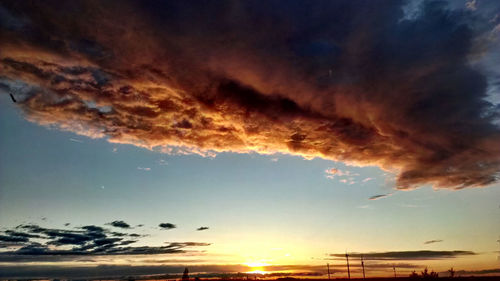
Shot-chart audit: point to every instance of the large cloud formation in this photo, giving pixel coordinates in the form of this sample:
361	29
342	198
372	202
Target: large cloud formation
364	82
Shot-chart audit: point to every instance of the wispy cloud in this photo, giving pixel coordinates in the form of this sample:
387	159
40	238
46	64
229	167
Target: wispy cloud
144	168
379	196
201	228
331	172
365	207
367	179
471	5
405	205
408	255
76	140
433	241
162	162
479	272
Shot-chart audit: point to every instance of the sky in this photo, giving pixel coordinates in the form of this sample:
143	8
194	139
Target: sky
143	137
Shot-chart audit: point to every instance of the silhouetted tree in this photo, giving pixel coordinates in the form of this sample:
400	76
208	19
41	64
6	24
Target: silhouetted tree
424	274
427	275
452	272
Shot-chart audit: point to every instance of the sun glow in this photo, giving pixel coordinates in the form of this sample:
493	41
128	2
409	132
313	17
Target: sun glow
256	267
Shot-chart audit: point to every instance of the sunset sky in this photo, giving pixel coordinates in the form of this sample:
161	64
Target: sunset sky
143	137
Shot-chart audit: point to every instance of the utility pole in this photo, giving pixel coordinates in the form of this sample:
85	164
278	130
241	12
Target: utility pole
499	252
363	266
348	270
328	267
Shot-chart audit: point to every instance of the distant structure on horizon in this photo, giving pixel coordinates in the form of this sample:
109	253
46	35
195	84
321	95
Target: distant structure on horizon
185	276
363	266
498	251
348	270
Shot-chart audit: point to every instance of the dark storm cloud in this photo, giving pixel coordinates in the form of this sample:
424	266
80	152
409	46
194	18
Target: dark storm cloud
408	255
4	238
353	81
201	228
34	243
93	228
119	224
167	225
433	241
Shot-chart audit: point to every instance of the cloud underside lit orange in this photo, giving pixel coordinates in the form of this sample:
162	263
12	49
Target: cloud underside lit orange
219	88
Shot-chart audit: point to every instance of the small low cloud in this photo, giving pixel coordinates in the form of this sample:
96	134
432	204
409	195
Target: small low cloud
338	172
404	205
119	224
202	228
379	196
115	150
433	241
471	5
162	162
348	176
167	225
76	140
144	168
367	179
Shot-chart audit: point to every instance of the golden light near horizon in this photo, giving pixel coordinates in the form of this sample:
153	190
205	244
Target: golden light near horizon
256	267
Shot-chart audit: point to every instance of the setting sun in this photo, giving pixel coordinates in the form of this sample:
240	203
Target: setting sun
257	267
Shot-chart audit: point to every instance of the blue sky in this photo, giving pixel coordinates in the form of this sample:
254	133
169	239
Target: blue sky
50	178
